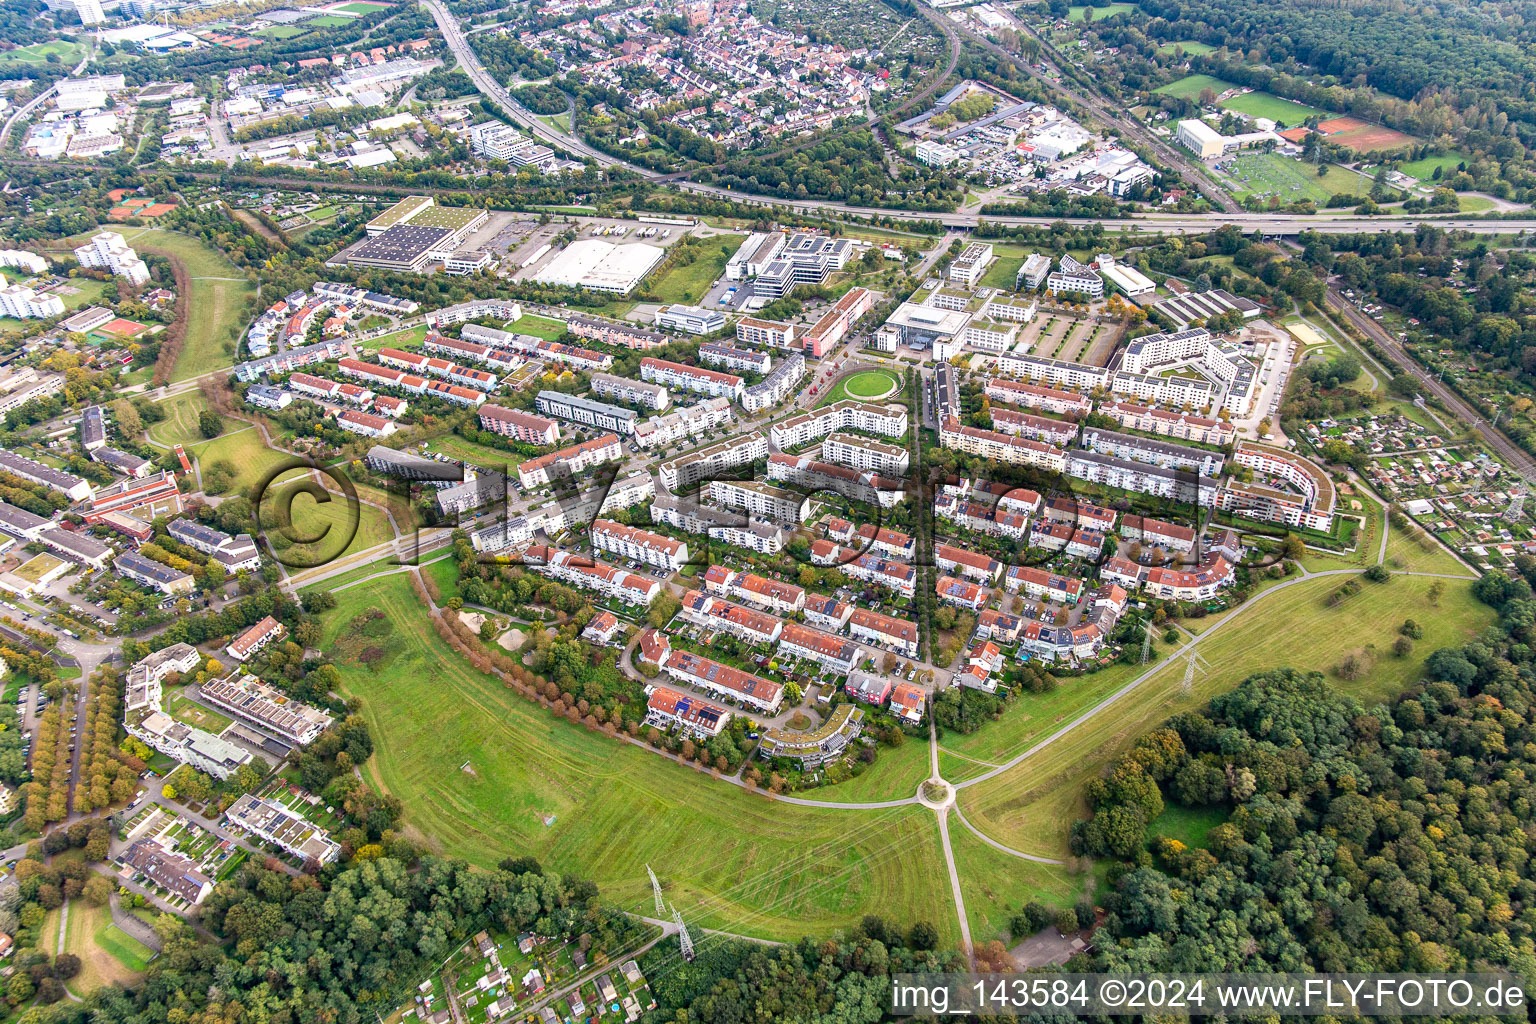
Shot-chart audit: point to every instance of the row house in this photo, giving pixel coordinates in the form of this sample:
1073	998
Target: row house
882	572
991	623
1156	533
764	695
826	612
717	613
836	653
589	574
879	540
995	522
1039	584
666	708
1063	537
970	564
778	597
961	593
884	631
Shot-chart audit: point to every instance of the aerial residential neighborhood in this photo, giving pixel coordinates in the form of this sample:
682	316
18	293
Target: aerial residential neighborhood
696	510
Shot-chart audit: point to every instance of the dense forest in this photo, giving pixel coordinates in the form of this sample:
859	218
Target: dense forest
1393	837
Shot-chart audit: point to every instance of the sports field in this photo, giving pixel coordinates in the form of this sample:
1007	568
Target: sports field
1032	806
1191	86
329	21
38	53
494	775
1263	104
1292	180
282	31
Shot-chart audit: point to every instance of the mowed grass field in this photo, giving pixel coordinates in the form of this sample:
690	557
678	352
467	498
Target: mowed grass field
1189	46
38	53
995	885
487	774
1191	86
1263	104
1099	13
108	955
323	530
1031	806
1424	169
412	338
217	303
689	284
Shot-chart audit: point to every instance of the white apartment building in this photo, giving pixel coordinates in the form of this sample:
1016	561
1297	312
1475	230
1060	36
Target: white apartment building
684	471
971	264
639	545
774	504
1055	372
23	303
690	319
108	251
777	386
680	424
935	154
636	392
989	335
691	378
31	262
864	454
1001	447
772	333
1033	273
741	360
886	420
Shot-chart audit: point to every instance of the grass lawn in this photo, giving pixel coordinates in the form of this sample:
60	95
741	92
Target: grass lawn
1189	825
455	447
410	338
871	384
1032	715
841	393
69	53
689	284
445	573
995	885
1189	46
1003	273
1292	180
1263	104
329	21
1474	204
180	423
538	326
282	31
1405	554
896	774
1424	168
242	448
1099	13
322	525
180	707
1191	86
1032	806
217	306
108	955
495	774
